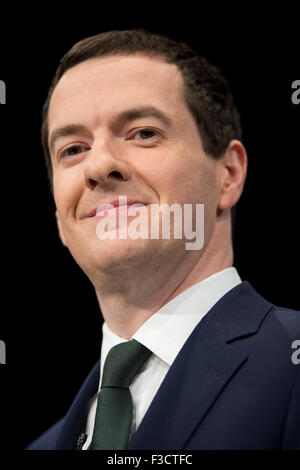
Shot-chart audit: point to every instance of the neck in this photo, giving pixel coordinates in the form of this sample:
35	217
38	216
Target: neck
129	298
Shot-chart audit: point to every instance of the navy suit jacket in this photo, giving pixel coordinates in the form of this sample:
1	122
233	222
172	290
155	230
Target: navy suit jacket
233	385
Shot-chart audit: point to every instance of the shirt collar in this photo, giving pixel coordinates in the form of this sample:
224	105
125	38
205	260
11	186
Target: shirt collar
166	331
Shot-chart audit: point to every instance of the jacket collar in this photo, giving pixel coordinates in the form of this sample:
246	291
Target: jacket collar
205	364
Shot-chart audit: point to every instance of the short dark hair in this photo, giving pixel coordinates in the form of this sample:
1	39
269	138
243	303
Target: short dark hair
206	91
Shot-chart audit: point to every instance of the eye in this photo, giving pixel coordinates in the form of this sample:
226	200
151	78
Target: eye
71	151
147	133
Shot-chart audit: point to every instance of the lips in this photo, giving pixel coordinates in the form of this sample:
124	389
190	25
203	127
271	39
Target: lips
121	202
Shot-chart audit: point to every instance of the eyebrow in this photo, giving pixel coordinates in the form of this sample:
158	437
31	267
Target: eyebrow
124	116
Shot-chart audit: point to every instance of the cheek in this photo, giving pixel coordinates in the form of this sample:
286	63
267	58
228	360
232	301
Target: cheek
189	182
168	174
67	190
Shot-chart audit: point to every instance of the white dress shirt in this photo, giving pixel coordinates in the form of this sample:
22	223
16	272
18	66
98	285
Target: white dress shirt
164	333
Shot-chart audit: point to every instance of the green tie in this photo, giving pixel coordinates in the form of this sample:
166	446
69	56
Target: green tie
114	407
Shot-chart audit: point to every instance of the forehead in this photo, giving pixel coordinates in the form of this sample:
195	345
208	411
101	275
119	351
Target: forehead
117	81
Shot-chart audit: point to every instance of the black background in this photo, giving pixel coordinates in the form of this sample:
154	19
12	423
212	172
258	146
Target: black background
50	318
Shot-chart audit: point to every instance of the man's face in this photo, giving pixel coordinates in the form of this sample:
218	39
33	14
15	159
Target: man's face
145	158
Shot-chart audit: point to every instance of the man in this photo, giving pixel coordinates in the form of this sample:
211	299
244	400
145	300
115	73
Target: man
137	116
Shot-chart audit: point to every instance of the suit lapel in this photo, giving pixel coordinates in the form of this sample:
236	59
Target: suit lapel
202	369
191	386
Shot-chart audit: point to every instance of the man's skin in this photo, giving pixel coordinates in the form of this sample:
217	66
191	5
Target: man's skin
134	278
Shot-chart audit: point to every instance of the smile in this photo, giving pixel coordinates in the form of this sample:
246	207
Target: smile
121	204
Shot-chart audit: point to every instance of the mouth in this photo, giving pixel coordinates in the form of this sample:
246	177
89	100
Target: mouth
119	204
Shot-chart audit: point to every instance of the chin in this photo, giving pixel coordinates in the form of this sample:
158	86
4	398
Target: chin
112	254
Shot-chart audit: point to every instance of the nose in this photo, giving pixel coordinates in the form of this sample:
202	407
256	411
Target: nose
104	168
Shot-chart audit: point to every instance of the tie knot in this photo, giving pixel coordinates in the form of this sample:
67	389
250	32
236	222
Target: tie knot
122	364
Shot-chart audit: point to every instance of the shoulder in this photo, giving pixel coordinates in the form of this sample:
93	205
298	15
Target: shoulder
289	320
286	320
48	439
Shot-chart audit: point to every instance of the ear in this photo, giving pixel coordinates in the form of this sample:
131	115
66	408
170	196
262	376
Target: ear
233	174
60	230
